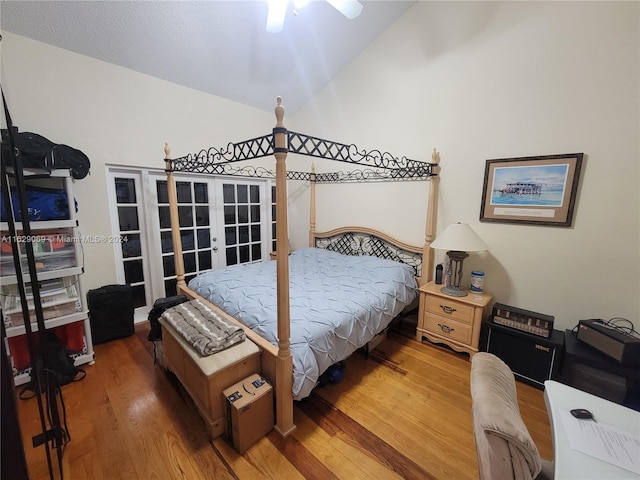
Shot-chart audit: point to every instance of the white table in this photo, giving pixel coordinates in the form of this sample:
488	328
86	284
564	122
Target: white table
570	463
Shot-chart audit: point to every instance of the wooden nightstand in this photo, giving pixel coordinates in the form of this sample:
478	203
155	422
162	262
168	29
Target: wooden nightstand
454	321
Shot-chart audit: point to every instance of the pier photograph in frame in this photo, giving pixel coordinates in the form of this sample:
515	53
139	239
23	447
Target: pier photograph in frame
531	190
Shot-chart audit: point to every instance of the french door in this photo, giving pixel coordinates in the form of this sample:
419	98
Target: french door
222	222
127	221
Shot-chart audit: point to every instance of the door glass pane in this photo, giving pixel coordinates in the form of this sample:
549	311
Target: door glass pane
165	218
243	194
202	215
188	242
255	233
189	262
230	236
170	287
133	271
232	256
168	265
243	234
255	213
185	215
229	215
139	296
204	238
256	251
132	247
204	260
244	253
125	190
243	214
128	218
183	191
228	193
167	242
162	191
201	192
255	193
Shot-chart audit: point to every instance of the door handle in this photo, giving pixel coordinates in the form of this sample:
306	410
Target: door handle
215	249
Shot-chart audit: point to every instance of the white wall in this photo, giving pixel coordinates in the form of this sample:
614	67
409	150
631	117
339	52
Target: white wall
477	80
115	116
485	80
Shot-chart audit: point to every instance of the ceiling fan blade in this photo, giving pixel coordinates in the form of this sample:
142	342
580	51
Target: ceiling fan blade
349	8
275	15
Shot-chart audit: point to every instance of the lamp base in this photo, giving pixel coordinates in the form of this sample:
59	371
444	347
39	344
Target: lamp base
454	291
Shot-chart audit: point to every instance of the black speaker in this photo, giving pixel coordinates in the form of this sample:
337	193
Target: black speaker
532	359
586	368
110	312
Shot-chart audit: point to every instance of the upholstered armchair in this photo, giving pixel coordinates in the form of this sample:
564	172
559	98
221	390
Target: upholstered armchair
504	446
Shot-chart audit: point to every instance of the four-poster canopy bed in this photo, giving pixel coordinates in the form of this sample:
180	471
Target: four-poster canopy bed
277	362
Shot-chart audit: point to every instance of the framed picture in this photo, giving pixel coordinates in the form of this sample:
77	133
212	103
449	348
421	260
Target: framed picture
531	190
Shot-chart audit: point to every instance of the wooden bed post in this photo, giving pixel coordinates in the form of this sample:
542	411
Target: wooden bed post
175	219
284	365
312	207
430	228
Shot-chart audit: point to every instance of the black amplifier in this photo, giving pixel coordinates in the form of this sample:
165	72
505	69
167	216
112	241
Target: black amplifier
532	359
610	340
523	320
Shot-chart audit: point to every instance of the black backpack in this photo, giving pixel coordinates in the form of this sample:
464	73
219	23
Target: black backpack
54	365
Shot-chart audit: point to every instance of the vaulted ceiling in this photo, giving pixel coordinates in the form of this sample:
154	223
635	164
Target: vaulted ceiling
217	47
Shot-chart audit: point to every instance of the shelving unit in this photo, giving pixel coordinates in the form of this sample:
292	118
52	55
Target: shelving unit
59	264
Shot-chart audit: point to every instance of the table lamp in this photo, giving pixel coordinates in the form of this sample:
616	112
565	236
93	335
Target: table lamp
458	239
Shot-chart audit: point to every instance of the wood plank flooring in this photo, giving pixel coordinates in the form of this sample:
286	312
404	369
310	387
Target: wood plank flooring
402	413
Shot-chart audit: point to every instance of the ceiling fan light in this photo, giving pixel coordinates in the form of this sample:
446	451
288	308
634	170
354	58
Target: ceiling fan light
349	8
275	15
278	9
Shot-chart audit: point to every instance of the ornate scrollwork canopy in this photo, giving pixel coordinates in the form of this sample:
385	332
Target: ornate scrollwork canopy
377	165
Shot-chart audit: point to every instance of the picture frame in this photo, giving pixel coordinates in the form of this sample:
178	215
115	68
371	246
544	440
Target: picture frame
531	190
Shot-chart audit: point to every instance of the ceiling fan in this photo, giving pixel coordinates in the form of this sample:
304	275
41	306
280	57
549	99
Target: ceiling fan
278	8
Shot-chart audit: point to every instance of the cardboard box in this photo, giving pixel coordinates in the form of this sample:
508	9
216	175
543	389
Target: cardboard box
249	411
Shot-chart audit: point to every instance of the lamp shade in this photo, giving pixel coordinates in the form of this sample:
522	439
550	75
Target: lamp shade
459	237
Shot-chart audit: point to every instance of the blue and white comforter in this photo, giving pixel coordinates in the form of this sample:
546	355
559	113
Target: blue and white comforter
338	304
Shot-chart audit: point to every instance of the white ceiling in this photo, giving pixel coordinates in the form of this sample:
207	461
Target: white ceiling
217	47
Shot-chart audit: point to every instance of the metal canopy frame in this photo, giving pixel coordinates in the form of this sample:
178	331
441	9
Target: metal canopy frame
377	165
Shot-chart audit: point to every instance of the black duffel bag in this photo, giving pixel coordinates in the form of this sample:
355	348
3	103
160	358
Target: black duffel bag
40	152
159	307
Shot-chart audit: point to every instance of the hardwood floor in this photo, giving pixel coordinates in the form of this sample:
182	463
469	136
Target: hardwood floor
404	412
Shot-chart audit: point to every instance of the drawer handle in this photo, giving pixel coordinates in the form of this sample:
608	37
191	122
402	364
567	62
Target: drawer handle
446	328
447	309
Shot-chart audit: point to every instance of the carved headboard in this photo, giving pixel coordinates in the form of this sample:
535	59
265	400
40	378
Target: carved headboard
365	241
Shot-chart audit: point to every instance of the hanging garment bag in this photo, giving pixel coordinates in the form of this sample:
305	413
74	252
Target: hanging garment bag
110	312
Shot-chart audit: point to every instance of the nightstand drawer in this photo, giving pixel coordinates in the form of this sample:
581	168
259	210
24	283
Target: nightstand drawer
449	328
450	308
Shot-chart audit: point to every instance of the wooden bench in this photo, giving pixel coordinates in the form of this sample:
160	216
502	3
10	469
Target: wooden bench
204	378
